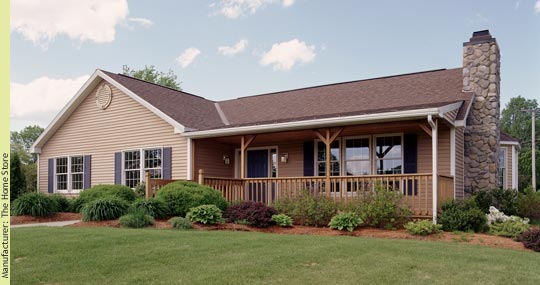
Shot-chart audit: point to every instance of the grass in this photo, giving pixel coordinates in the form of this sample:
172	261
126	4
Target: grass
149	256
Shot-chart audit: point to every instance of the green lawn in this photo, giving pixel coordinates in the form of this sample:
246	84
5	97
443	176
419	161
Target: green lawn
123	256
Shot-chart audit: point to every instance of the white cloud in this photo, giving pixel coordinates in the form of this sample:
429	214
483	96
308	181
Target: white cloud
237	48
284	55
188	56
39	100
537	6
478	19
145	23
236	8
41	21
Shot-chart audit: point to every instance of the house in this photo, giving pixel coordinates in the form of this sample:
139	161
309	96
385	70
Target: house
431	135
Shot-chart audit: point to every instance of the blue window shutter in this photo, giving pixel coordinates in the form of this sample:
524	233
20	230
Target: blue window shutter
309	149
50	180
410	159
87	171
117	168
166	163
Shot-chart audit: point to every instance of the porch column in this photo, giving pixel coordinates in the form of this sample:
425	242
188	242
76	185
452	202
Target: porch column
434	162
327	139
244	143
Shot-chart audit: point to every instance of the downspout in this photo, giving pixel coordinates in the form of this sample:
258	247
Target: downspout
434	164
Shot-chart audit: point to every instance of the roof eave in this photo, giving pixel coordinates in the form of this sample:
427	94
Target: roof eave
318	123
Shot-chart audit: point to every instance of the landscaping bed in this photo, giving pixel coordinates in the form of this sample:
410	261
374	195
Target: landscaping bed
457	237
56	217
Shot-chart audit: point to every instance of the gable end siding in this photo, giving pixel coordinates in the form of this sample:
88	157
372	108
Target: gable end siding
124	125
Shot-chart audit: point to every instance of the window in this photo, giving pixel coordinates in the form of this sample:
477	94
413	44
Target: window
134	169
274	161
334	158
357	158
388	155
502	167
69	173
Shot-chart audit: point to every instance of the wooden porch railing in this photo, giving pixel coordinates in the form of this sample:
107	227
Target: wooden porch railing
415	188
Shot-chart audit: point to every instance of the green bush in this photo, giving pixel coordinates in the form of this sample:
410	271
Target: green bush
140	190
137	219
382	208
180	223
422	227
78	203
462	216
181	196
153	207
34	204
528	205
62	203
307	208
345	221
103	209
282	220
105	190
205	214
503	199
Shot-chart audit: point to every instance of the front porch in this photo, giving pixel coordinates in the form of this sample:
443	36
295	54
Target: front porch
415	157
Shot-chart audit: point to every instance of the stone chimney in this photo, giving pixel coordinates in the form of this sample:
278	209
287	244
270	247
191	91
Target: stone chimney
481	75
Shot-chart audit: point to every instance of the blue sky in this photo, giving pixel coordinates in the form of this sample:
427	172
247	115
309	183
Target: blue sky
280	44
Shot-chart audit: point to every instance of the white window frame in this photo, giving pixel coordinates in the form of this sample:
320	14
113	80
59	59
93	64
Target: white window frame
505	164
69	189
374	152
344	155
142	169
316	158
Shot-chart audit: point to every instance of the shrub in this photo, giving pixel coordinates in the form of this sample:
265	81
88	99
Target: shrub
282	220
462	216
181	223
153	207
342	221
502	199
102	209
508	226
205	214
181	196
137	219
422	227
78	203
34	204
382	208
531	239
105	190
528	205
62	203
140	190
255	213
308	208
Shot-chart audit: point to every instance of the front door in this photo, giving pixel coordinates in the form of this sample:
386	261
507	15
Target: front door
257	163
261	163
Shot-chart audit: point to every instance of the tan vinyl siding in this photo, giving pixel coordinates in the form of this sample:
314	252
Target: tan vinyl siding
124	125
444	151
460	155
295	165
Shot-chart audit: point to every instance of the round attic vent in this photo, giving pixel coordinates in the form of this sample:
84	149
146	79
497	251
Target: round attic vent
103	97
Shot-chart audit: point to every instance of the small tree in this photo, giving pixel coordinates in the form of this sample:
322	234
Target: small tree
16	176
150	74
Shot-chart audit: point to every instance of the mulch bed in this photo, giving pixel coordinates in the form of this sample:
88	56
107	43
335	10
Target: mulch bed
468	238
56	217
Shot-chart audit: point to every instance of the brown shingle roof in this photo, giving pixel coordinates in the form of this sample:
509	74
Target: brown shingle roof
427	89
191	111
395	93
507	137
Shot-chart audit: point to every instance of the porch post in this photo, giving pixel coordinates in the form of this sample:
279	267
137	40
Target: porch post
434	162
244	143
328	160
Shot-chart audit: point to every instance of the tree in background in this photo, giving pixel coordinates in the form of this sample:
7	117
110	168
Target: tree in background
518	124
16	176
150	74
21	142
